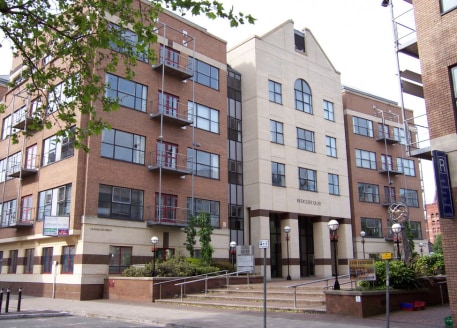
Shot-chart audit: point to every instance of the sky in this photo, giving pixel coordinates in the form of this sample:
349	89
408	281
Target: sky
356	35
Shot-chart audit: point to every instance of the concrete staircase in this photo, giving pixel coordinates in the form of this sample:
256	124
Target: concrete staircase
309	298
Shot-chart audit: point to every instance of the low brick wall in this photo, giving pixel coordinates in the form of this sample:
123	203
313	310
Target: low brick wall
148	289
368	303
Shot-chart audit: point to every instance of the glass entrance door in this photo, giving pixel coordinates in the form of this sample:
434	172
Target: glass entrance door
305	226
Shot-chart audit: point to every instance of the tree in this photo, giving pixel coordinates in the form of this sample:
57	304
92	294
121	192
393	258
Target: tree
191	233
438	245
205	230
65	49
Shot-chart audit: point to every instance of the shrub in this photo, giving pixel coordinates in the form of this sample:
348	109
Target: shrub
429	265
401	276
177	266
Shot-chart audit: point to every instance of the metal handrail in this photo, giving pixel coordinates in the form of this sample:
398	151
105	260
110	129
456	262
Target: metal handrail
313	282
227	275
183	278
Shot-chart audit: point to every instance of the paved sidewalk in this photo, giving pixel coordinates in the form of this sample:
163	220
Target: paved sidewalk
193	317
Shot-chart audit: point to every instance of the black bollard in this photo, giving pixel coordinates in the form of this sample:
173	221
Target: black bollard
1	299
7	303
19	298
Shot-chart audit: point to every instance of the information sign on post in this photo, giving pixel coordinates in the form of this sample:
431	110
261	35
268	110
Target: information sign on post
264	243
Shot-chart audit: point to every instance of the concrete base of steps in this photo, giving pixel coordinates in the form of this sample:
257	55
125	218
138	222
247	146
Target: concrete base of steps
246	305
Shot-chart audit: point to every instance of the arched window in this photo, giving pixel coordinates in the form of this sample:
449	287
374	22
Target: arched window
303	98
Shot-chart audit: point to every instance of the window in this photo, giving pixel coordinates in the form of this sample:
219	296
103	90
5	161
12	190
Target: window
235	172
416	230
14	163
333	184
68	259
8	213
120	258
3	170
57	148
120	203
203	164
365	159
386	162
399	135
328	111
305	139
368	193
28	261
128	38
406	166
299	38
389	195
409	197
276	132
383	131
168	104
303	99
330	144
54	202
307	179
372	227
448	5
12	261
58	97
454	76
1	261
127	93
166	207
46	260
207	206
278	174
31	158
26	209
362	126
7	128
123	146
204	117
275	92
206	74
167	155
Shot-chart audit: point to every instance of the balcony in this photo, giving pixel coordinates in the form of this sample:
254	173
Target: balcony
18	170
389	139
389	169
166	216
9	219
419	141
177	65
170	162
177	114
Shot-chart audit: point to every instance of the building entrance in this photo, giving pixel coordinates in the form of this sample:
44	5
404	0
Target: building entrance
275	246
306	238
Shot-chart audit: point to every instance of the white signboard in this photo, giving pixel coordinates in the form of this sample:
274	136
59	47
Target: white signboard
56	226
245	258
264	243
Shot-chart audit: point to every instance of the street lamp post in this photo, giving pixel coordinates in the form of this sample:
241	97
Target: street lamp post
154	241
396	228
333	226
232	253
362	234
422	251
287	230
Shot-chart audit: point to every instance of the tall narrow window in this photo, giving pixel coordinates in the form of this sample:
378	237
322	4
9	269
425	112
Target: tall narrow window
333	184
68	259
278	174
276	132
28	261
46	260
12	261
303	99
454	75
330	144
166	206
168	104
275	92
328	111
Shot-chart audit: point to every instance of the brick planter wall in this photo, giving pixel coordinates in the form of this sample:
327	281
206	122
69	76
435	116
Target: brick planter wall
148	289
368	303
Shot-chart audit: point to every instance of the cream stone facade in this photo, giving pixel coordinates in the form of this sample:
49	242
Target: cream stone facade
284	58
